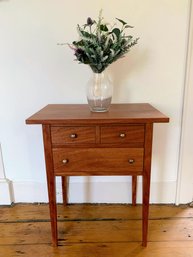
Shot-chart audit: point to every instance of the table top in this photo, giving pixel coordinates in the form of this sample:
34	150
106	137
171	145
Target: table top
80	113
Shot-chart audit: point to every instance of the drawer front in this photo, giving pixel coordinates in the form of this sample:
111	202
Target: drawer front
73	135
122	134
98	161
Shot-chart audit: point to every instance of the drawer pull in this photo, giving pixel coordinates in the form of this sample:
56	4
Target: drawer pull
131	161
65	161
122	135
73	136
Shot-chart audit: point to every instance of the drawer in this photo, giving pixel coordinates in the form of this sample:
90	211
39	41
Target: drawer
98	161
122	134
73	135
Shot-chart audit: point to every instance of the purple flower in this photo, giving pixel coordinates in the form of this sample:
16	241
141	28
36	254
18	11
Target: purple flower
79	52
90	21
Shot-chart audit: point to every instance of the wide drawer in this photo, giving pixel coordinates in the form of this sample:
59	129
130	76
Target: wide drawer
122	134
73	135
98	161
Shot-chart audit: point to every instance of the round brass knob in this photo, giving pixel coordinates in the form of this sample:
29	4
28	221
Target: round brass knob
131	161
122	135
73	135
65	161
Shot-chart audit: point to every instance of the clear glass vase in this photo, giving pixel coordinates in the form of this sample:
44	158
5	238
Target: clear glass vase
99	92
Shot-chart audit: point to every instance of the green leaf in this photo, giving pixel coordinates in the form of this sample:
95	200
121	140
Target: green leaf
103	45
103	27
128	26
116	31
123	22
85	33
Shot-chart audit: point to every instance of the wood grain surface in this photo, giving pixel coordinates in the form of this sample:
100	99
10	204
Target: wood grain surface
118	113
73	135
98	161
96	230
122	134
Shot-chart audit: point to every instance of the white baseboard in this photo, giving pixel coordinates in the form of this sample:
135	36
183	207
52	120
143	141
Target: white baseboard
94	192
6	195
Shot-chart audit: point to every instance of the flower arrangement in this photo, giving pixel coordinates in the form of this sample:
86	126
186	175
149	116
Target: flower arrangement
101	44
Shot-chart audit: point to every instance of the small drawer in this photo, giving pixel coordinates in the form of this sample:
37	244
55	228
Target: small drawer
98	161
122	134
73	135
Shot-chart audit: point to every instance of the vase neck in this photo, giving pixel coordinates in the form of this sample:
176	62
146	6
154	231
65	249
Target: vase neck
99	75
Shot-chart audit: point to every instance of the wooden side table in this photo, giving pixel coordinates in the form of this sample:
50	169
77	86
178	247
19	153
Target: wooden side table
78	142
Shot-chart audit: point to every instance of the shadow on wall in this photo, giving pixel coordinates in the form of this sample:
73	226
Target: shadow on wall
88	190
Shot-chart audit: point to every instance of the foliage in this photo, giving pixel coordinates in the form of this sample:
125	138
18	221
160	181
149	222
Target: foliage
100	44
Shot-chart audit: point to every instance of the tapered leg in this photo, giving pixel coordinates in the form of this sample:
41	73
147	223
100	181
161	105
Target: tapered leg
65	189
145	214
53	209
146	181
50	183
134	189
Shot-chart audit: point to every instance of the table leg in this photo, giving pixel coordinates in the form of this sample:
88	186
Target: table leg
146	180
50	183
134	189
65	189
145	214
53	209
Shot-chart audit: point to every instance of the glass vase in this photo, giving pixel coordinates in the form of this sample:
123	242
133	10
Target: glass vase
99	92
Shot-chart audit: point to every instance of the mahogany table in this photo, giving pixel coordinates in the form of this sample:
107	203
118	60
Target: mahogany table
78	142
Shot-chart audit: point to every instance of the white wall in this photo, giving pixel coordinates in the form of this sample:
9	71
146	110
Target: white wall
5	185
35	71
185	175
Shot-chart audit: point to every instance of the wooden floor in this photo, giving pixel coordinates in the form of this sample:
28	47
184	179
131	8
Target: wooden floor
96	231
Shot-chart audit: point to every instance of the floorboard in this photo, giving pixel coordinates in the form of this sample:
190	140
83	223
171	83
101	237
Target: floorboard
96	230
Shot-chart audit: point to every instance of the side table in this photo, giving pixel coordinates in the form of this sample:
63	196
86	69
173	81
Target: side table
78	142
